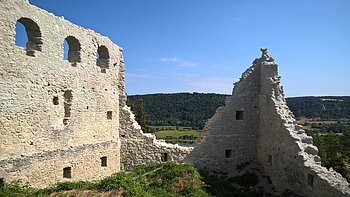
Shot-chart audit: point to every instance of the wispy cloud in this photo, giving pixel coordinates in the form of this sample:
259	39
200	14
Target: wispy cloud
178	61
169	59
220	66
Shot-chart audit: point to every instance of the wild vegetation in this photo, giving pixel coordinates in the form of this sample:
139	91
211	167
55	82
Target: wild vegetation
166	179
333	143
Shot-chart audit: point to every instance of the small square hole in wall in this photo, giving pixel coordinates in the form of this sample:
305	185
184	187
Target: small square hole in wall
239	115
228	153
103	70
109	115
55	100
67	172
310	180
103	161
164	157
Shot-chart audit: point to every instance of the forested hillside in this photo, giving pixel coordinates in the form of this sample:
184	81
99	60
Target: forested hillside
187	109
180	109
326	107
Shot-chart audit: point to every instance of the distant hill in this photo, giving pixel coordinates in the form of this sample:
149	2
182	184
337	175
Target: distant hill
325	107
193	109
180	109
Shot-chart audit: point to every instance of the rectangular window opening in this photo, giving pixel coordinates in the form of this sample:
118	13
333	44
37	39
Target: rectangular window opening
67	172
228	153
310	180
55	100
109	115
104	161
239	115
164	157
269	160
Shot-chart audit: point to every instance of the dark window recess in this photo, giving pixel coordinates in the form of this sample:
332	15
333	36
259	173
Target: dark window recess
310	180
164	157
269	160
103	161
239	115
2	182
71	49
109	115
102	57
103	70
123	135
67	172
228	153
34	42
68	97
55	100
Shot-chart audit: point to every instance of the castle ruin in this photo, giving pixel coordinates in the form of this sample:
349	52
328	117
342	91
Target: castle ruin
67	120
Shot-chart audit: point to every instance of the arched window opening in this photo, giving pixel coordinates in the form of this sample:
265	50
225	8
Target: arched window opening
102	57
71	49
33	34
21	38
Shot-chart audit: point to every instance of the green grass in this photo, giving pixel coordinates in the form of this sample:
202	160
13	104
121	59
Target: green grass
162	128
176	134
166	179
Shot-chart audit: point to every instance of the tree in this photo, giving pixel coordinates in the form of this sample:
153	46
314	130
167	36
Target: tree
138	108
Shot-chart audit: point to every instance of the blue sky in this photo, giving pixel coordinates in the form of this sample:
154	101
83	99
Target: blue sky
204	46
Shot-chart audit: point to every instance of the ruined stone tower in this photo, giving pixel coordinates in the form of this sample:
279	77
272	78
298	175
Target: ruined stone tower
256	125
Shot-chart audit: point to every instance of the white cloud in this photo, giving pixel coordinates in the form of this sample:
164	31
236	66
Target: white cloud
178	61
169	59
221	66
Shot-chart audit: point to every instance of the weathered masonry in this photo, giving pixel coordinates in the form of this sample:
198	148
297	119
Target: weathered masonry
256	125
60	117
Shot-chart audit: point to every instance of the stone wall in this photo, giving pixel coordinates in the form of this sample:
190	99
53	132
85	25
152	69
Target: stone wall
256	126
231	137
50	105
46	168
285	151
139	148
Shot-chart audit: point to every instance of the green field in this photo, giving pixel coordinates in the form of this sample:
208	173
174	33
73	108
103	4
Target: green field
175	134
166	128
